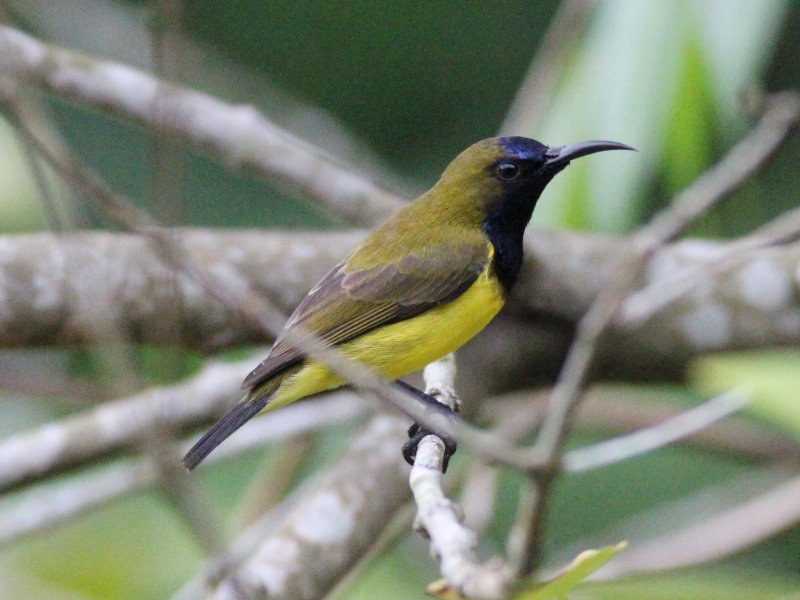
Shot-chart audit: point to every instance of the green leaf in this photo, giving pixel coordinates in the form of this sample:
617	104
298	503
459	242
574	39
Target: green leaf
696	584
573	574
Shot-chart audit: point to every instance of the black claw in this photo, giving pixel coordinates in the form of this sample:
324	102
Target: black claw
410	448
415	434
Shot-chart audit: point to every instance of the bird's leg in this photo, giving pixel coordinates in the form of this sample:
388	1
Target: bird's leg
416	432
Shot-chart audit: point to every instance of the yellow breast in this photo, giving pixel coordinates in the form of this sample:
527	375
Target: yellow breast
402	348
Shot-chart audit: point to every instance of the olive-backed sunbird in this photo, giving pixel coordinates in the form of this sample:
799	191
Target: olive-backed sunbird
420	285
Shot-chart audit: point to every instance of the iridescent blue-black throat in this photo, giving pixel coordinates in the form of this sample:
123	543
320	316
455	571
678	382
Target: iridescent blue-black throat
505	231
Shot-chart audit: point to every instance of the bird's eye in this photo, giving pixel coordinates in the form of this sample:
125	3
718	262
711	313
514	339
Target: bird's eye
507	170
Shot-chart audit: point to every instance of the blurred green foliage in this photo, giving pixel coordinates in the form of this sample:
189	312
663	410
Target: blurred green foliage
419	80
768	378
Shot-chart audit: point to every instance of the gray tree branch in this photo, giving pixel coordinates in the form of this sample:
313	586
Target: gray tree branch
75	440
51	285
46	506
238	135
332	525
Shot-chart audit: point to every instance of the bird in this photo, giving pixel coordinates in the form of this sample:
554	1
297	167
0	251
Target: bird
418	287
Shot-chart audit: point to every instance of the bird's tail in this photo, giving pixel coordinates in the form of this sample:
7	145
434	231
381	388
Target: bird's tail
236	417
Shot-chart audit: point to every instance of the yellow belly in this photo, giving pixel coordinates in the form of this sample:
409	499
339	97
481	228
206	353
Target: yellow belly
402	348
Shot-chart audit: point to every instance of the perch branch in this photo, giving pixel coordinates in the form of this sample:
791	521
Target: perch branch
438	517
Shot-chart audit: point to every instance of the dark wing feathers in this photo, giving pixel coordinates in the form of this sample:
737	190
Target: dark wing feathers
349	301
415	280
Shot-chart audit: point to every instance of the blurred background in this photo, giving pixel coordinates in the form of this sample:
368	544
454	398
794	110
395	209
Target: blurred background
396	90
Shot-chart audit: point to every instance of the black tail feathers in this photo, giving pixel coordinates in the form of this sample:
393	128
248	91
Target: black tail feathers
238	416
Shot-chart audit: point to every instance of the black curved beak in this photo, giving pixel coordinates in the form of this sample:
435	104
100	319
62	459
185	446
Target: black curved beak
561	155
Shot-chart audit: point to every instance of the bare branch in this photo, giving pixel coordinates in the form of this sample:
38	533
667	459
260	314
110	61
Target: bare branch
615	409
726	532
46	296
332	525
654	437
75	440
37	509
237	135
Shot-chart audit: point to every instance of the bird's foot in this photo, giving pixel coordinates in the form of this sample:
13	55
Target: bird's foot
415	434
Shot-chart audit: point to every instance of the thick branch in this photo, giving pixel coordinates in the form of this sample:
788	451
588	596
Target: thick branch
50	285
332	526
238	135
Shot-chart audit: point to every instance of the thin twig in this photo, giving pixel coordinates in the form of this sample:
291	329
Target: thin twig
167	154
622	409
275	476
724	533
177	487
46	197
167	158
643	304
656	436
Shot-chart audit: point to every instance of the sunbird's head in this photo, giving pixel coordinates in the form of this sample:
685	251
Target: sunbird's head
506	175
